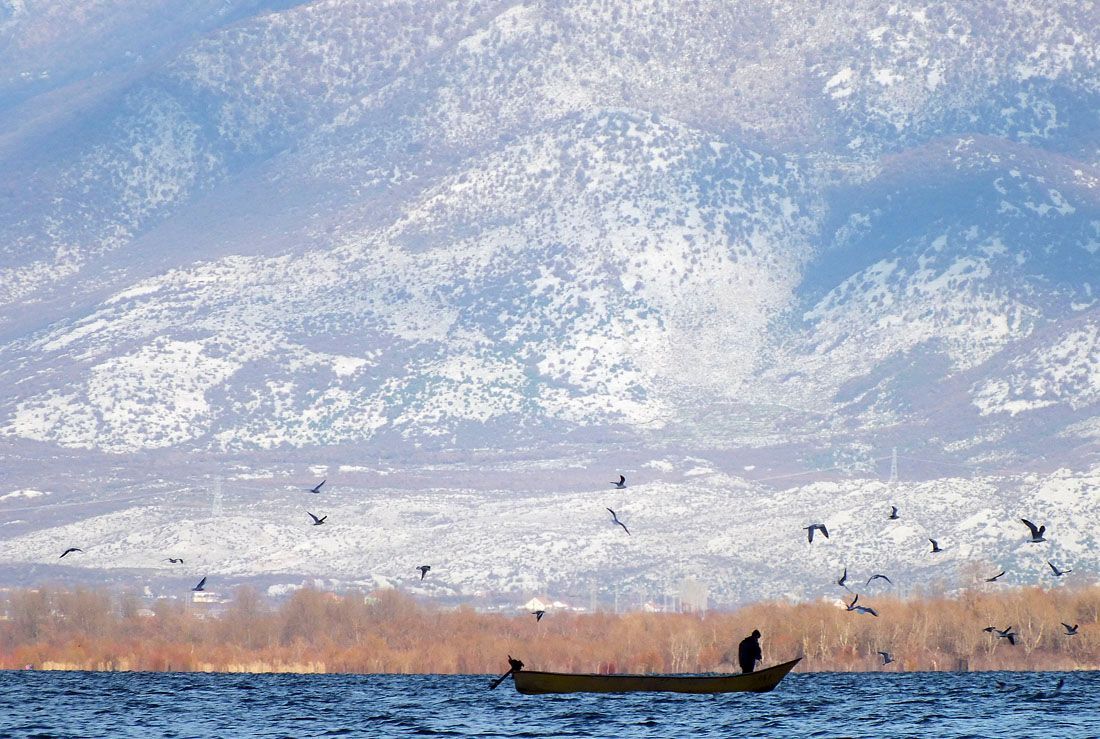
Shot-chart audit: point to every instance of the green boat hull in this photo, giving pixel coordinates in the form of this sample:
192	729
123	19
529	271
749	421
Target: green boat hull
532	682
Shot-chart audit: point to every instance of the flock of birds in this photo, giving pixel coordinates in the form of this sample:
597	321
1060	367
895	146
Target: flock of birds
201	586
619	484
1037	536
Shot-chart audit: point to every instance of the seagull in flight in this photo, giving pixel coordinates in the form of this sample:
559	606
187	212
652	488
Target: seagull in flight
936	548
1004	634
887	658
1057	690
893	513
175	560
815	527
861	609
317	521
317	489
1057	572
1036	532
879	577
538	615
200	587
615	519
424	570
994	578
620	484
844	579
1070	630
70	550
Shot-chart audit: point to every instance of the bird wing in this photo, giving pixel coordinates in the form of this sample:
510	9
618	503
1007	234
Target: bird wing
612	513
1035	533
622	479
624	527
872	611
201	583
824	530
1052	567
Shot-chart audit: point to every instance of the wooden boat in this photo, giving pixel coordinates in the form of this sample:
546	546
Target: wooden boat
532	682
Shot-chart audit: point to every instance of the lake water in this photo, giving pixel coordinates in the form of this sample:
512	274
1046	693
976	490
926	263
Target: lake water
41	704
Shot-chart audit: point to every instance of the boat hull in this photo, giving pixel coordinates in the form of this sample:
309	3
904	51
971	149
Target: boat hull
532	682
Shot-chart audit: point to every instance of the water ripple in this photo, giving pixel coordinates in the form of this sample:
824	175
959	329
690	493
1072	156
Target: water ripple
195	706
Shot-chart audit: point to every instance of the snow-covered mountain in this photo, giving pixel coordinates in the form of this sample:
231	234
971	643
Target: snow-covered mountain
274	231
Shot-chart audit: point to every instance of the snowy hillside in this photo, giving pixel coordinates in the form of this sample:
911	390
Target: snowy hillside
420	228
499	545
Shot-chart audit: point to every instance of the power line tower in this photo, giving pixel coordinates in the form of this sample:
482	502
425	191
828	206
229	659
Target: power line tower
894	467
216	504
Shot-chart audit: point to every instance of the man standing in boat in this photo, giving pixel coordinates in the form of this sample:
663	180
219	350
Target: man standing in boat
748	652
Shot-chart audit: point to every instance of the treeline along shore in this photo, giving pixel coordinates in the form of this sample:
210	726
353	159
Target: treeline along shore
389	632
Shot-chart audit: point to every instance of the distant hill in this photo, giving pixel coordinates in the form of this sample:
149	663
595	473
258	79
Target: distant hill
417	228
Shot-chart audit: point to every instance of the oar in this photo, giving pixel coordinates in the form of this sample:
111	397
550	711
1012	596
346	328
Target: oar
516	665
493	685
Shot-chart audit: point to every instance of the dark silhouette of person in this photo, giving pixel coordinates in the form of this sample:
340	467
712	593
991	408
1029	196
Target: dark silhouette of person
748	652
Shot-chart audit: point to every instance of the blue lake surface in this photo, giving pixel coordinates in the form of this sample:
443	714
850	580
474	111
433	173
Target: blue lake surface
940	704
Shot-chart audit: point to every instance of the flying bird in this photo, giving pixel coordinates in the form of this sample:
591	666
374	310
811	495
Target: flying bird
936	548
994	578
424	570
175	560
861	609
70	550
1036	532
317	489
317	521
1056	692
815	527
620	484
200	587
879	577
843	579
1057	572
1003	633
538	615
1070	630
893	513
887	658
615	519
